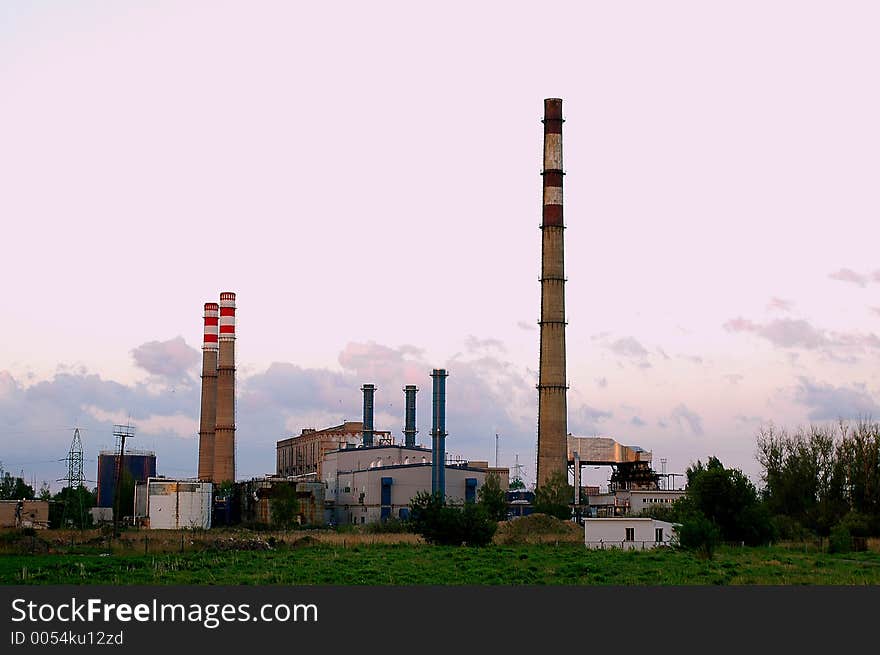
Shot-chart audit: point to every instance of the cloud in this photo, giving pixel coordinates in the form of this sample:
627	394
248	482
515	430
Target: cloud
694	359
586	419
602	382
686	417
849	275
662	425
734	378
485	395
798	333
829	403
876	310
628	347
172	359
636	421
779	304
473	344
529	327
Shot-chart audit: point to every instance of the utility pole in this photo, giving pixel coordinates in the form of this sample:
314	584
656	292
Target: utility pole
121	432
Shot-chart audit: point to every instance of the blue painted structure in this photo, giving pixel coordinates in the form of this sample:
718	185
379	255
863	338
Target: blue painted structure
438	433
409	432
369	390
385	510
470	490
139	466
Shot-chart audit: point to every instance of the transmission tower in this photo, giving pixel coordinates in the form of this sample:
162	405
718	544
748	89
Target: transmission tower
75	479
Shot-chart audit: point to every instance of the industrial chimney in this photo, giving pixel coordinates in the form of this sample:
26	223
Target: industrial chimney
438	433
369	390
409	431
208	414
552	383
224	433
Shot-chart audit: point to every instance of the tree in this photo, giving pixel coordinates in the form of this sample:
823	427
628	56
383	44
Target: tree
450	524
555	496
728	499
71	508
517	484
284	505
45	493
14	488
492	497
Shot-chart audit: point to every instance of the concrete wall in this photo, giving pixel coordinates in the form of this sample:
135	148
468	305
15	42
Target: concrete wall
612	533
34	514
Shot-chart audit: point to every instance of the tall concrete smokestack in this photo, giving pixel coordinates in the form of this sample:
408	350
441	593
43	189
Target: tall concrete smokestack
224	432
438	433
409	431
208	414
552	383
369	390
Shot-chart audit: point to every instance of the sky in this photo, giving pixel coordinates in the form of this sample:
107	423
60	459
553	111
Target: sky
366	178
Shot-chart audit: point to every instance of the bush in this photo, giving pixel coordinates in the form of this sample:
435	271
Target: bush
840	539
699	534
788	529
555	497
388	526
450	524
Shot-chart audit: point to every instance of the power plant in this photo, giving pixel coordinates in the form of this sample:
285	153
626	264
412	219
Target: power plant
552	383
355	473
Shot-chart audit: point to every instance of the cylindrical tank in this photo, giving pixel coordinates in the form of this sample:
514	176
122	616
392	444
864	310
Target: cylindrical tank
438	433
369	391
139	466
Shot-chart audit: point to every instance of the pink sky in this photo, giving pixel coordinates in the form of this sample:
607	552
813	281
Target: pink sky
366	177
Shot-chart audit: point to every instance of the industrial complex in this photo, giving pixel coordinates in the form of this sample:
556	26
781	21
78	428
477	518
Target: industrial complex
354	473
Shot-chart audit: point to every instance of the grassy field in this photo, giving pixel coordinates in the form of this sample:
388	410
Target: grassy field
418	564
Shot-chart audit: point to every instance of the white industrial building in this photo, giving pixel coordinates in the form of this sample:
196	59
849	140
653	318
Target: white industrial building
369	484
629	533
173	504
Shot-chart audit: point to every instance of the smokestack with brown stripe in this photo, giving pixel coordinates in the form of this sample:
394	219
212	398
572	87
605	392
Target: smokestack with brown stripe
208	416
552	383
224	432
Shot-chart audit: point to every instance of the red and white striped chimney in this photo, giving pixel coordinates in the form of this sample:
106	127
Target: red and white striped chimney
224	432
208	418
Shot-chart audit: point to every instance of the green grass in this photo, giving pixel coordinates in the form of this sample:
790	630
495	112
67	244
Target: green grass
407	564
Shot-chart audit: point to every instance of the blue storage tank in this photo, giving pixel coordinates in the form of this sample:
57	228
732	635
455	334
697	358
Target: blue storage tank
139	464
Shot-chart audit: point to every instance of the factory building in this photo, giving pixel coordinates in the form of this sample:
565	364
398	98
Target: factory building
634	486
628	533
255	501
303	454
370	484
136	464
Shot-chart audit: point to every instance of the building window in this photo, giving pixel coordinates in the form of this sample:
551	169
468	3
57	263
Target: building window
630	534
658	535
